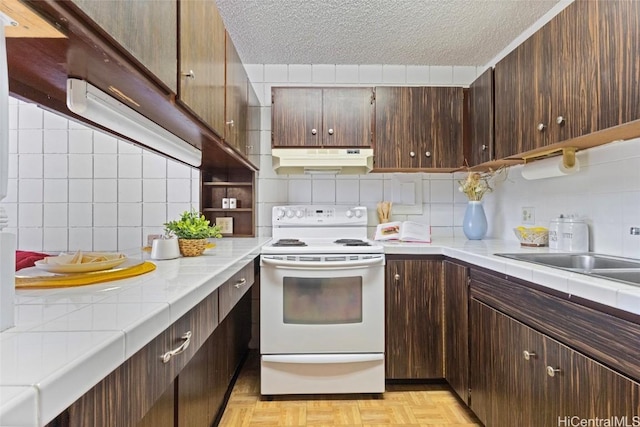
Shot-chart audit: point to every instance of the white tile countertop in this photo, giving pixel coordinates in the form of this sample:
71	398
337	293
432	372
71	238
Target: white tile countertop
68	339
481	253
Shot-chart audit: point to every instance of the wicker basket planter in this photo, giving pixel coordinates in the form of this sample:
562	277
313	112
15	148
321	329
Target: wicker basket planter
192	247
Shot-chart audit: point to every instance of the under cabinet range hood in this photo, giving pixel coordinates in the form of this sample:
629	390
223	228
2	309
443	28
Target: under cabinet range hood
344	161
88	101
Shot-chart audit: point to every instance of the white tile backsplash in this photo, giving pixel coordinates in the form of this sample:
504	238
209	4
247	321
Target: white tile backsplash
299	73
394	74
73	188
441	75
323	73
370	74
417	74
348	74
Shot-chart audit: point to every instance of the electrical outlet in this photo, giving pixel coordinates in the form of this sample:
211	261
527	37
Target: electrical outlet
528	215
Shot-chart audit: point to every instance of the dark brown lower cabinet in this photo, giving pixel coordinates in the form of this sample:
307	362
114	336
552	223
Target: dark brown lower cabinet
187	391
203	383
456	328
163	412
520	376
414	308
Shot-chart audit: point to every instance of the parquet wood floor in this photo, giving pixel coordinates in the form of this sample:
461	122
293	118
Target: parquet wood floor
404	405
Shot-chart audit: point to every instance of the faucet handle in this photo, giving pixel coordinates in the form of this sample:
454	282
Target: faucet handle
634	231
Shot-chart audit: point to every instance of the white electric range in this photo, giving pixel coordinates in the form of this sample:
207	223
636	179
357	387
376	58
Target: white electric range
321	303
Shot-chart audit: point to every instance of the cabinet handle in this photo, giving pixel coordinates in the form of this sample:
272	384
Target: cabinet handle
528	354
190	74
412	154
314	131
541	127
330	131
396	277
428	154
551	371
560	120
186	337
230	123
240	283
484	147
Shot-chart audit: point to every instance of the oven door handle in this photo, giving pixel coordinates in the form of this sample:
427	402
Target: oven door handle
322	358
306	265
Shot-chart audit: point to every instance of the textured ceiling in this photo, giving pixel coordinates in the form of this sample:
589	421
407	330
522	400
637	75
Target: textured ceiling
411	32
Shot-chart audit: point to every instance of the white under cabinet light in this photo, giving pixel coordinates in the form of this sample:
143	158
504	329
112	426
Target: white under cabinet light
88	101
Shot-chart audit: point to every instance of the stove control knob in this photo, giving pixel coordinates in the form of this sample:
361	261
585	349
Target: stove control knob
358	213
279	213
299	213
349	213
289	213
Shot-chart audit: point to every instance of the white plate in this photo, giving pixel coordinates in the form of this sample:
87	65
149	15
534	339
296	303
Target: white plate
60	264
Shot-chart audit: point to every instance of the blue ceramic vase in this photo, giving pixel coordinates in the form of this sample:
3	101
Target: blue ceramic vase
475	221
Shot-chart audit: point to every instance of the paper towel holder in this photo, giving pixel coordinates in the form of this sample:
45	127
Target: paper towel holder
568	156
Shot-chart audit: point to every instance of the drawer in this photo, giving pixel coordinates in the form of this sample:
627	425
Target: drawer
125	395
233	289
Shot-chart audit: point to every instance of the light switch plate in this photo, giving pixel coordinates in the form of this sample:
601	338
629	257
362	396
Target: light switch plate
528	215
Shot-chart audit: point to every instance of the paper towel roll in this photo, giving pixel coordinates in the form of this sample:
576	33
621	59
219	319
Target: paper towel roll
548	168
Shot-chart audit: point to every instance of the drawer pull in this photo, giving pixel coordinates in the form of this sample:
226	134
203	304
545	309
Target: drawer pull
240	282
528	354
551	371
186	337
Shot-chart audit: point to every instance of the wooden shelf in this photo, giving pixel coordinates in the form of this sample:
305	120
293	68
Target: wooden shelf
227	210
227	184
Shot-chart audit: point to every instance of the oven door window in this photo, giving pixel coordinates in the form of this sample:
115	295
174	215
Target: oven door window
322	301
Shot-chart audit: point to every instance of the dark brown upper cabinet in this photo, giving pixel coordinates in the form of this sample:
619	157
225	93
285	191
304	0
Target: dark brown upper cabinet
202	62
419	128
236	103
146	29
480	119
321	117
575	76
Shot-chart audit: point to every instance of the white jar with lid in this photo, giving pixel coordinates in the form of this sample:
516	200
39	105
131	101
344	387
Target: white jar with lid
575	235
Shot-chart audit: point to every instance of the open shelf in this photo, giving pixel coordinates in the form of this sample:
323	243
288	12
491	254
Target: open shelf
229	183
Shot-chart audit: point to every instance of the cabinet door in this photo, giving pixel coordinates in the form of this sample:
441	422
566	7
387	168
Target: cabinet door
296	117
236	100
202	61
501	377
618	67
480	116
588	390
146	29
456	328
418	127
443	147
347	117
414	330
398	135
522	98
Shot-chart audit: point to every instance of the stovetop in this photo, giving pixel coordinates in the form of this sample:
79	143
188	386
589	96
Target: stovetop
322	246
320	229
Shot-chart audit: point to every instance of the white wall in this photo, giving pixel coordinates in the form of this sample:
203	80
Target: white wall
71	187
606	191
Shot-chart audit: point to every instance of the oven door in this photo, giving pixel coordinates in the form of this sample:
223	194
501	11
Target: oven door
322	304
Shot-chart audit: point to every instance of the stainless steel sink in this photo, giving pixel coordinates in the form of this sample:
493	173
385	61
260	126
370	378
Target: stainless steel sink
625	270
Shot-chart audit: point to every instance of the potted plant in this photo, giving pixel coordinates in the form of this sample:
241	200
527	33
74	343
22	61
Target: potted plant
192	231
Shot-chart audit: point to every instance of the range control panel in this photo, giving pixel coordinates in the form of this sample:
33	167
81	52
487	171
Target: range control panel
310	215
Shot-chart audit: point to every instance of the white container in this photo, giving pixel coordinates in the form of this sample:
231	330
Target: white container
225	203
575	235
556	227
165	249
233	203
